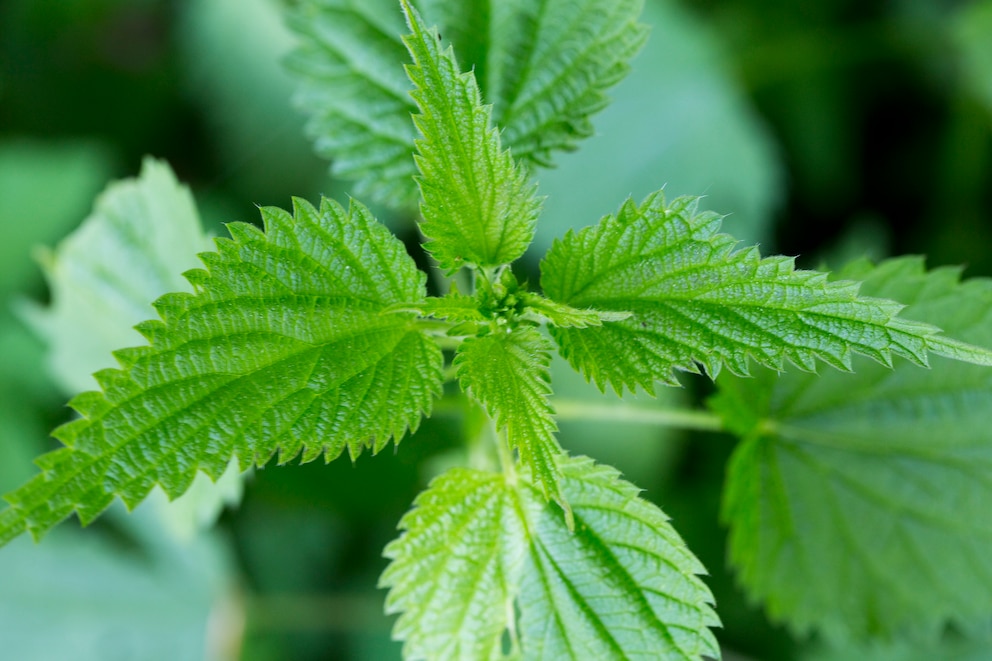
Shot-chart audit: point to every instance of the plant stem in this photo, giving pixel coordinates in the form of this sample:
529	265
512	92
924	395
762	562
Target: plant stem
573	409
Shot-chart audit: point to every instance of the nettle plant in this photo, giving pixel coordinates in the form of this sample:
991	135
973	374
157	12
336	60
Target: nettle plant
857	500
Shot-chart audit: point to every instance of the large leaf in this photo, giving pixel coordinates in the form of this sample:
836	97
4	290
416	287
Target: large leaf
479	207
543	66
858	503
696	301
284	348
509	373
621	586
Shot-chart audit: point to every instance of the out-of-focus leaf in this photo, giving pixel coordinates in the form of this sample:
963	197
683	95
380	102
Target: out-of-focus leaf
676	121
972	34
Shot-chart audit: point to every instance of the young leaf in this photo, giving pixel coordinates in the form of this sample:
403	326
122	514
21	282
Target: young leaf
455	572
698	302
349	64
283	348
622	586
508	373
858	503
544	66
479	207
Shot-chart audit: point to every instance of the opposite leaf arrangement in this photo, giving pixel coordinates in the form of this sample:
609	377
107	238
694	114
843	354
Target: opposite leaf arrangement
316	335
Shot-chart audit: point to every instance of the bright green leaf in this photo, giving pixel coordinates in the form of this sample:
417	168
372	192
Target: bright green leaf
284	348
621	586
697	302
559	314
350	55
508	373
479	207
456	569
858	504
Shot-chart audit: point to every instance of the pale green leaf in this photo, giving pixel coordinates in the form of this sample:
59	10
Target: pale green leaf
351	82
858	504
284	348
622	586
508	373
698	302
558	314
455	571
142	234
483	557
479	207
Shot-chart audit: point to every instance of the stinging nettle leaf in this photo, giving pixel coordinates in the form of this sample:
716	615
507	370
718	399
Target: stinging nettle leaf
697	302
543	66
479	207
509	374
351	83
623	585
455	571
284	348
858	504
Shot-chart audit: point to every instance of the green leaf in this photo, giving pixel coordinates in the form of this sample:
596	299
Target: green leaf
544	66
697	302
553	65
142	234
621	586
558	314
284	348
456	570
351	83
858	503
508	373
479	207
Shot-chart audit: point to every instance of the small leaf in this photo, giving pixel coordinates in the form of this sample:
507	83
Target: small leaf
858	503
508	373
479	207
455	571
565	316
698	303
284	348
621	586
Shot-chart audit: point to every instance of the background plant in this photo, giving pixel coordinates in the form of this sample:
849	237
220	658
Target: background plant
847	417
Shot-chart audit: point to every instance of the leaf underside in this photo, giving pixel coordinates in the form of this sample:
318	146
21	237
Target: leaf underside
858	503
698	303
283	349
622	586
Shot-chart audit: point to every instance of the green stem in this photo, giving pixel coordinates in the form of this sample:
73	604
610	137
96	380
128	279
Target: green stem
697	420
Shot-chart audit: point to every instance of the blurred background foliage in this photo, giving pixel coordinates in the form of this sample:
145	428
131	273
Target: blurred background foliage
824	128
